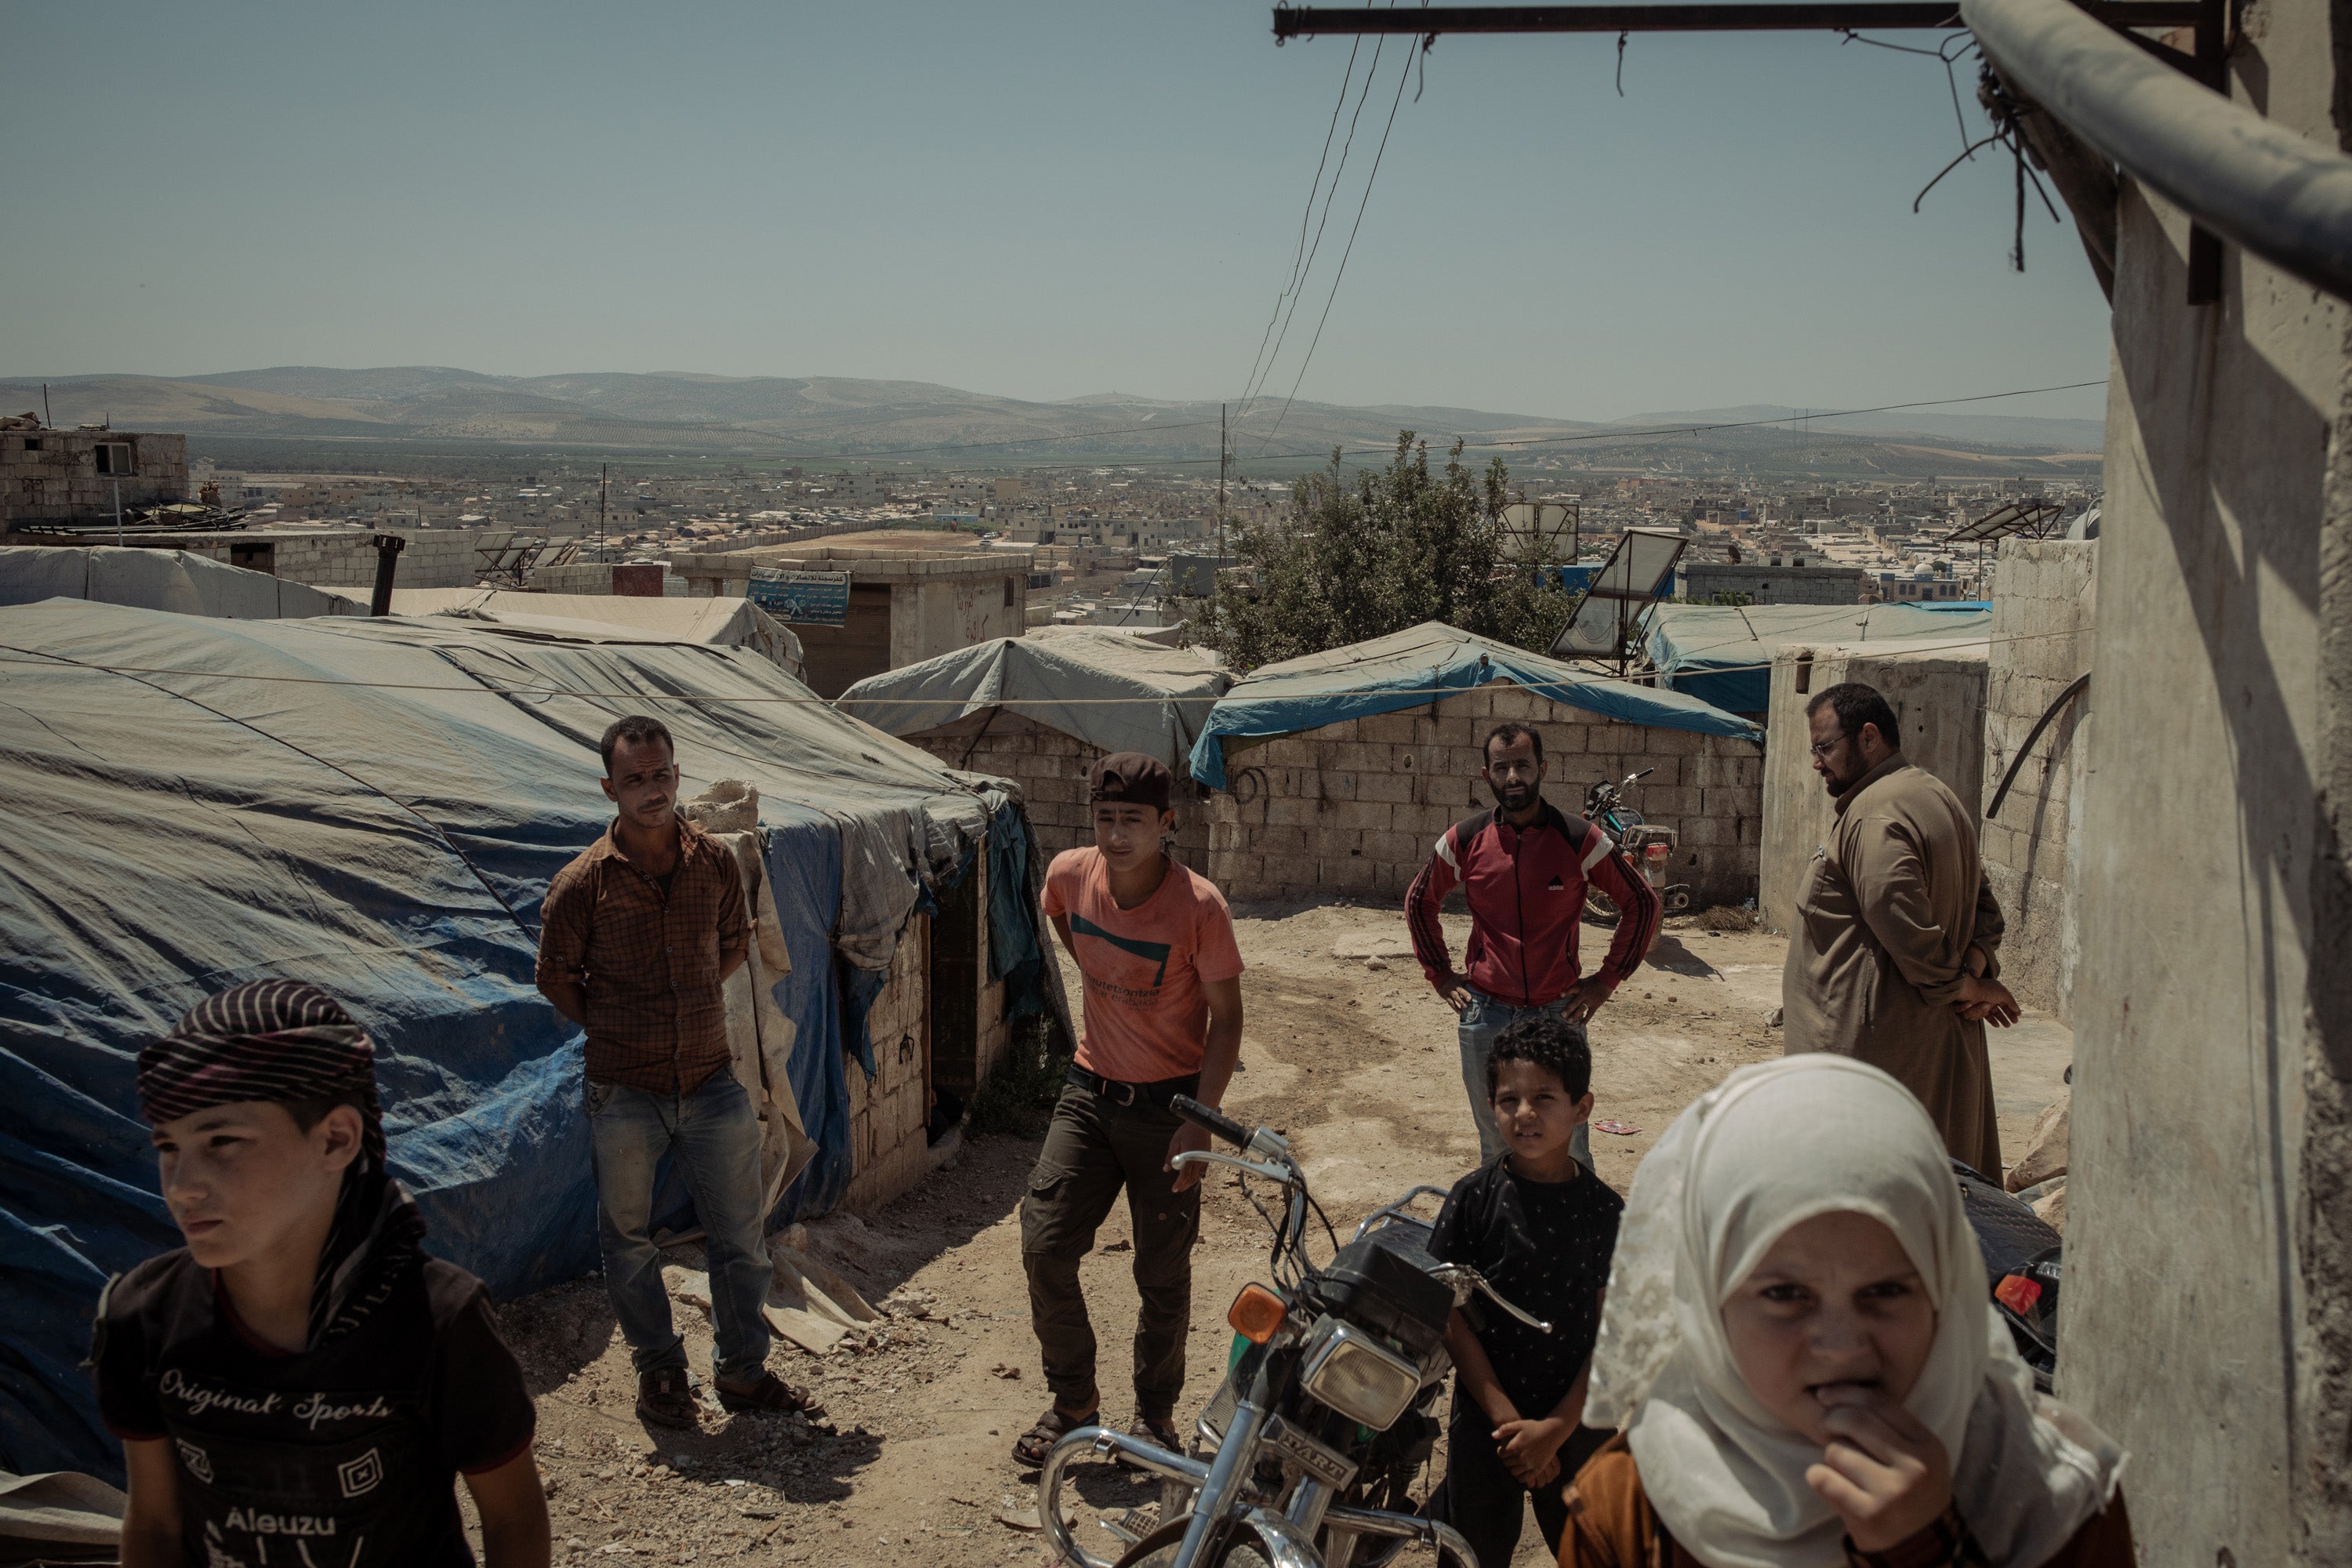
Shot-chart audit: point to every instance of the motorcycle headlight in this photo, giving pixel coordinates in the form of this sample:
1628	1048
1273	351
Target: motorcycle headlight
1358	1376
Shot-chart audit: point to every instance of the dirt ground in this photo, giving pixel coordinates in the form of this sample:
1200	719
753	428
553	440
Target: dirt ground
1345	1049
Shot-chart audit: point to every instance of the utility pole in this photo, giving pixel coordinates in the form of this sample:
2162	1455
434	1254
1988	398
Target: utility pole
118	514
1224	452
604	482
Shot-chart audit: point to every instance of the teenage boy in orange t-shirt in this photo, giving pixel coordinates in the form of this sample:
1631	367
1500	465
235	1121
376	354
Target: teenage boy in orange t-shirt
1163	1017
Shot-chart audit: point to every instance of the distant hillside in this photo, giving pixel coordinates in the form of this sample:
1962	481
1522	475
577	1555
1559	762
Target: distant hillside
832	417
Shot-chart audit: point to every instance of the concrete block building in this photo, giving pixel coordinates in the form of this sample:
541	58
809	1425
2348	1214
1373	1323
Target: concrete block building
1773	582
344	557
1355	808
939	1028
1336	773
1041	709
912	593
48	475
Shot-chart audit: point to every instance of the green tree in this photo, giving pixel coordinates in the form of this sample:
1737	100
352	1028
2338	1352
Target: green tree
1361	556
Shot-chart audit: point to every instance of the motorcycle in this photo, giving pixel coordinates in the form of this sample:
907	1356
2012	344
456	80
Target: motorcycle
1651	847
1304	1453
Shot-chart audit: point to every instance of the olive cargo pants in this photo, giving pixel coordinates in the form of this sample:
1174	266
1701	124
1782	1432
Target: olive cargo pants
1093	1149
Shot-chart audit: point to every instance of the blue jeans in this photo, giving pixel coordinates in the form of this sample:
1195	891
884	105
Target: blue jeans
714	1135
1480	1022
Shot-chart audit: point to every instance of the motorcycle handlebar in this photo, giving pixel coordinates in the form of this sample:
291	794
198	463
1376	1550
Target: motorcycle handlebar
1216	1121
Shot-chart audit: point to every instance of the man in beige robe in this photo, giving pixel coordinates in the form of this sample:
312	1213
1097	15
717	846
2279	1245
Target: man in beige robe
1893	958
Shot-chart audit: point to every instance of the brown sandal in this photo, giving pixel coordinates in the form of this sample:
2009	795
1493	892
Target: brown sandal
1031	1447
1159	1429
666	1397
770	1393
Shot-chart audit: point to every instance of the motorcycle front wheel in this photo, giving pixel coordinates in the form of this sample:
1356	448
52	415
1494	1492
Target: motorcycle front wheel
1157	1550
1598	909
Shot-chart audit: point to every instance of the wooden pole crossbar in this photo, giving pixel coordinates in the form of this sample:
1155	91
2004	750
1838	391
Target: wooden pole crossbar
1774	15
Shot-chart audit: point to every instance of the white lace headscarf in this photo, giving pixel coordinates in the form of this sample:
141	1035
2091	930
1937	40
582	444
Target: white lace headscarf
1772	1146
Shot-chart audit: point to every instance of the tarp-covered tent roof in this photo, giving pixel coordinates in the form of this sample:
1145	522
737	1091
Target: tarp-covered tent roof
1413	666
170	580
377	806
1109	688
722	622
1723	653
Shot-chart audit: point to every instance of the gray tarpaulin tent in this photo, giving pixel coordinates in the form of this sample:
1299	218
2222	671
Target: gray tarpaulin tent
1723	653
377	806
158	580
721	622
1108	688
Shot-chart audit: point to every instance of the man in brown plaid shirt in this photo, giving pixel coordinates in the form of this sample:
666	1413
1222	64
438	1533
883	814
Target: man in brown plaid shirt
637	935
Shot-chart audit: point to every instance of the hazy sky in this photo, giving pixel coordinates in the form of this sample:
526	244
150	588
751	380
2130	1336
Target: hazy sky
1035	199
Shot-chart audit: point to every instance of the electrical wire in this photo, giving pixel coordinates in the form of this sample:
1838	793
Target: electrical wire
969	446
1342	272
1250	397
1306	216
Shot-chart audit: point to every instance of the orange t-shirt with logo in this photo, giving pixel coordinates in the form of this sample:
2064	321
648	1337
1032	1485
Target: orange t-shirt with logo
1147	1017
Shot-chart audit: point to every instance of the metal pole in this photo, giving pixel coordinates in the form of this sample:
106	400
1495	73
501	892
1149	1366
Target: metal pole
604	482
1224	450
2253	182
118	514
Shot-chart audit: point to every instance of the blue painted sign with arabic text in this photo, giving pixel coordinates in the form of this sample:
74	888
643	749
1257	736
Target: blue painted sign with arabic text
810	598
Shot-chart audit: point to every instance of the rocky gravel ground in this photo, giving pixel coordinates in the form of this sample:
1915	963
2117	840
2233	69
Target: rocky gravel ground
1345	1049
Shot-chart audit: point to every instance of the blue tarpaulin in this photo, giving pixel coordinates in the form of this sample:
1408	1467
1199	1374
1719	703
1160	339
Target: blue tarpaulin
1723	653
1411	669
377	806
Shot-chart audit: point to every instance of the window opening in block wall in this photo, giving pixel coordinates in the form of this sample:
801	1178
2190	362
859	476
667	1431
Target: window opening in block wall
1008	593
32	443
954	984
114	458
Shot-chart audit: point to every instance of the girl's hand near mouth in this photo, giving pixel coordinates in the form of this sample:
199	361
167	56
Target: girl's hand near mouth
1887	1475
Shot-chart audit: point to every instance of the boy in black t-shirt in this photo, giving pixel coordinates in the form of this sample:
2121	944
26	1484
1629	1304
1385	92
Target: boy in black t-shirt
1540	1228
299	1385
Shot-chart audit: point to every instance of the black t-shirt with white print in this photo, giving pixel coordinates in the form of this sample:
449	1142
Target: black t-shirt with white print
1545	1246
341	1456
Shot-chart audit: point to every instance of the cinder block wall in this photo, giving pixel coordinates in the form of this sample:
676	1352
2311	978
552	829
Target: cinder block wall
1355	808
2041	636
1050	766
345	558
1938	698
888	1114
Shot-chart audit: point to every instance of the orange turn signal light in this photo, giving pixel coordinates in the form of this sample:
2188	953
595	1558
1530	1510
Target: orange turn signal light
1257	1313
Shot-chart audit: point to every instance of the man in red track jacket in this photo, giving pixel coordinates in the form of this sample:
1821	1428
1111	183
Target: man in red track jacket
1522	868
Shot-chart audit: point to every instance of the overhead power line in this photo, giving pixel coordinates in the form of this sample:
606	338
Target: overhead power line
1299	289
1306	216
1350	251
1604	435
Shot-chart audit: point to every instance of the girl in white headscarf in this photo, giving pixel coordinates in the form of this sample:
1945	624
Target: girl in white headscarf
1800	1342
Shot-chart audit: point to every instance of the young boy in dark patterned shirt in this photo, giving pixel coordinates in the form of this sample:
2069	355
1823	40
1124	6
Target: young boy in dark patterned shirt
1540	1228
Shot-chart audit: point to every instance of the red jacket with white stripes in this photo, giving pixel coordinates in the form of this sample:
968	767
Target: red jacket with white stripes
1526	893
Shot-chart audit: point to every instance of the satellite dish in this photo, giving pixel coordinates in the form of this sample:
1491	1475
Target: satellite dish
1604	622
